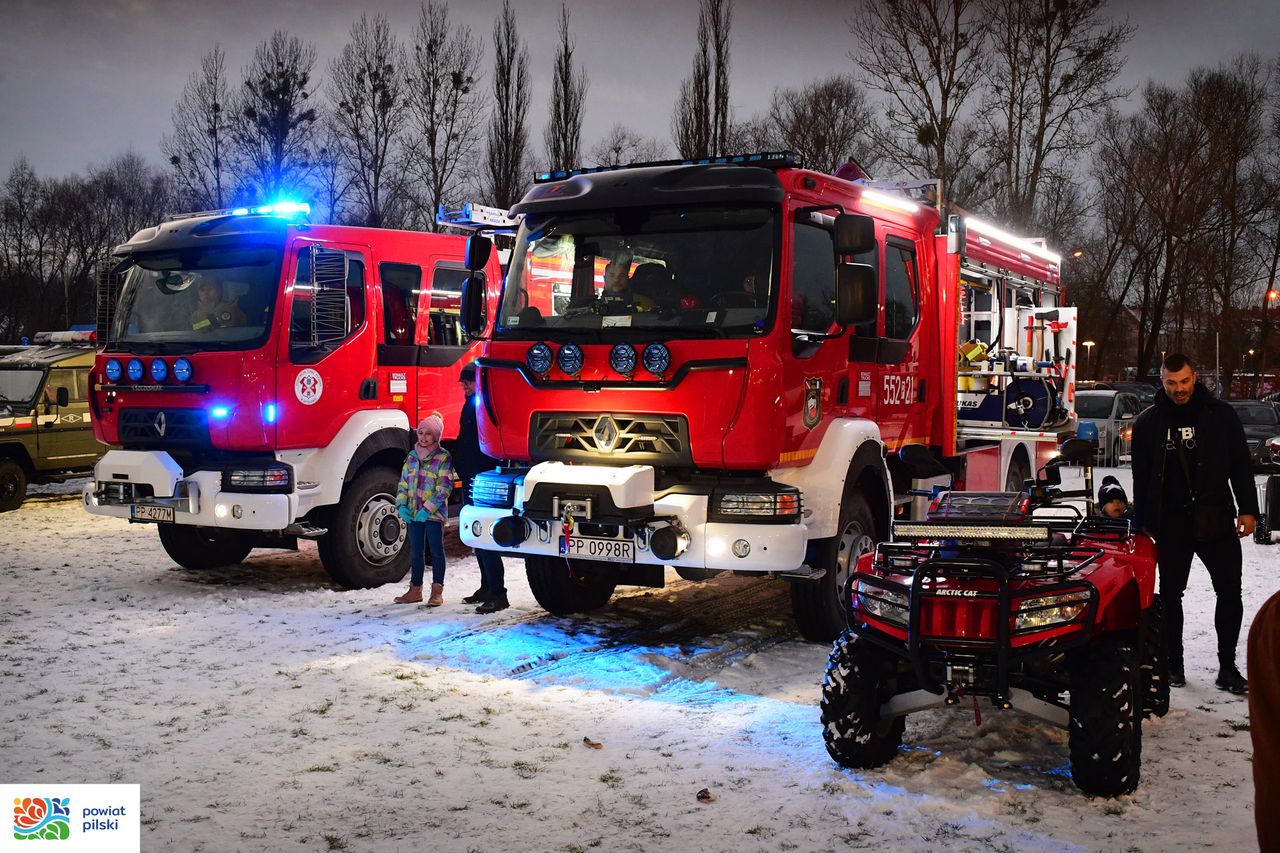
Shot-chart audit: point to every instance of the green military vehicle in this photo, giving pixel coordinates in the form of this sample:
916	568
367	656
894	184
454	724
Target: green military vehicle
45	433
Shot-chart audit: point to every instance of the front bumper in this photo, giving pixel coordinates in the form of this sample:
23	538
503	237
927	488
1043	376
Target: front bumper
123	479
635	514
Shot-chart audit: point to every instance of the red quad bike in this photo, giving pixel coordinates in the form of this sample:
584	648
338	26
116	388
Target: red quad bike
1013	597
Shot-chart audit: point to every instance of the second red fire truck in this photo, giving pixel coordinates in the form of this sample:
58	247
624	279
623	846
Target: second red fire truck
731	393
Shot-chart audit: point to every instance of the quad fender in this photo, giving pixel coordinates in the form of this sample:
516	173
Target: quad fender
368	437
1121	613
851	452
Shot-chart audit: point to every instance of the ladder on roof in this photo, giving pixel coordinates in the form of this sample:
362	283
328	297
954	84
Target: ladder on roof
478	217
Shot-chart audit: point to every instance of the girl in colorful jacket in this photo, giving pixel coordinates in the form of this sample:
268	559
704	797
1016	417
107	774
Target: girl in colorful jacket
422	502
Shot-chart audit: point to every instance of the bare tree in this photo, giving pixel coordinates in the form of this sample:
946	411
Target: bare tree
368	95
563	134
506	163
926	58
1052	66
275	128
824	122
446	109
701	121
200	145
622	145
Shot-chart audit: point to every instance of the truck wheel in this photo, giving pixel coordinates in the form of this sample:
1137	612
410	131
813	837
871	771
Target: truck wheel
860	678
1105	732
13	485
561	586
201	548
365	545
1262	530
1015	479
1155	664
816	605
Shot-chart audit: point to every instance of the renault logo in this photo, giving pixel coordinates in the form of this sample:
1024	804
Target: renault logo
606	433
160	424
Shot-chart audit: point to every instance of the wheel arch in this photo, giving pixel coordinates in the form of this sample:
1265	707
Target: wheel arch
851	452
1121	613
16	451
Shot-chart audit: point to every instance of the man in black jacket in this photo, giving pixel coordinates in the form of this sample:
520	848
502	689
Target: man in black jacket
469	460
1189	456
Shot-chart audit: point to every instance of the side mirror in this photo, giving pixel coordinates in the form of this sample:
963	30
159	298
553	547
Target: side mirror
64	397
855	233
472	307
479	248
856	294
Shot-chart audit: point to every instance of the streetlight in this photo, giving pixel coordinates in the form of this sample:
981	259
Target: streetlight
1088	355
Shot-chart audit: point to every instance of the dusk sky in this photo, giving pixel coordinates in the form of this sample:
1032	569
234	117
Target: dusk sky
84	80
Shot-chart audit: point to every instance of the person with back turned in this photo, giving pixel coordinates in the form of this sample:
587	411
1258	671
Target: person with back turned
469	460
1189	457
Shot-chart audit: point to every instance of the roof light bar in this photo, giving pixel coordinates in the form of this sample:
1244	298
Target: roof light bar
766	159
286	209
1004	533
979	227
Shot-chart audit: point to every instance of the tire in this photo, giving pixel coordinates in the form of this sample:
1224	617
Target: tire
1155	663
365	546
860	678
1105	732
1015	479
561	586
13	485
1262	530
816	605
200	548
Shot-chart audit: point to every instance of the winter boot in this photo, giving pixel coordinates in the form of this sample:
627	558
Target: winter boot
1177	675
1230	680
480	596
437	595
494	604
413	596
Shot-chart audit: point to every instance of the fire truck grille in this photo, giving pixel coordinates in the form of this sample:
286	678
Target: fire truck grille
578	437
163	427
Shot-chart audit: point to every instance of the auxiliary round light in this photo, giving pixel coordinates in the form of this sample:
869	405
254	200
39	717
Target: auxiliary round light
741	548
113	370
159	370
182	370
656	358
220	510
539	358
570	358
476	528
135	370
622	358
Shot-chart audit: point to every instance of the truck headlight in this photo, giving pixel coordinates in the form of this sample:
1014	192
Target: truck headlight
1049	610
495	489
779	505
272	478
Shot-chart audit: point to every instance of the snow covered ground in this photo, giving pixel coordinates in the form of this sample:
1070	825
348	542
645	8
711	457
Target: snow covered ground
261	708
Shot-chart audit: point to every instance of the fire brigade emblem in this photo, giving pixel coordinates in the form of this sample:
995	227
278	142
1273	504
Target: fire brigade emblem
606	433
308	387
812	402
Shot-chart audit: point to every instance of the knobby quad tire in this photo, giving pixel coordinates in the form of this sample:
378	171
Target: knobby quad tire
200	548
1262	530
1155	663
816	605
13	485
1105	731
860	678
366	545
561	586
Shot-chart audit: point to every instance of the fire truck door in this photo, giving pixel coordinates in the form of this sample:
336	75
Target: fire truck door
900	390
327	359
400	289
445	345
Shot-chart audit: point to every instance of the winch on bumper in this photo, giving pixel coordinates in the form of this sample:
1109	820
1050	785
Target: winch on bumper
149	486
615	514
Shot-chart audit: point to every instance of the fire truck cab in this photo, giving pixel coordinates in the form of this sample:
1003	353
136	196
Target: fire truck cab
731	393
259	377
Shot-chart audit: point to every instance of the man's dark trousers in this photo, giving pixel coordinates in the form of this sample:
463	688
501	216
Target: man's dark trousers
1222	558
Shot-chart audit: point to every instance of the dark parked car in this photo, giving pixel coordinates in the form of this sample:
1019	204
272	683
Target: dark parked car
1261	422
1145	393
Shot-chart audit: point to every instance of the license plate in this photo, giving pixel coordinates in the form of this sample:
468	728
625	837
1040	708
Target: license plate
593	548
143	512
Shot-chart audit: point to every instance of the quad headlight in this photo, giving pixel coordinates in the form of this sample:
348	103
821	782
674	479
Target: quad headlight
891	605
1050	610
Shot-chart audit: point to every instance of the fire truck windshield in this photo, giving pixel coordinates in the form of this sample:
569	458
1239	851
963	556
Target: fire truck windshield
696	271
193	299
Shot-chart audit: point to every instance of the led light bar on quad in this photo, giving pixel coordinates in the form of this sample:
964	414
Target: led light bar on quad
985	532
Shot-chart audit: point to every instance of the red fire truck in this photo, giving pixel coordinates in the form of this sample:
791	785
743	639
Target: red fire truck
734	400
258	379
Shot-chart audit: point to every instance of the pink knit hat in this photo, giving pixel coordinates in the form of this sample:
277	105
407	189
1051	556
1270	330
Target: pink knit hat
435	423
